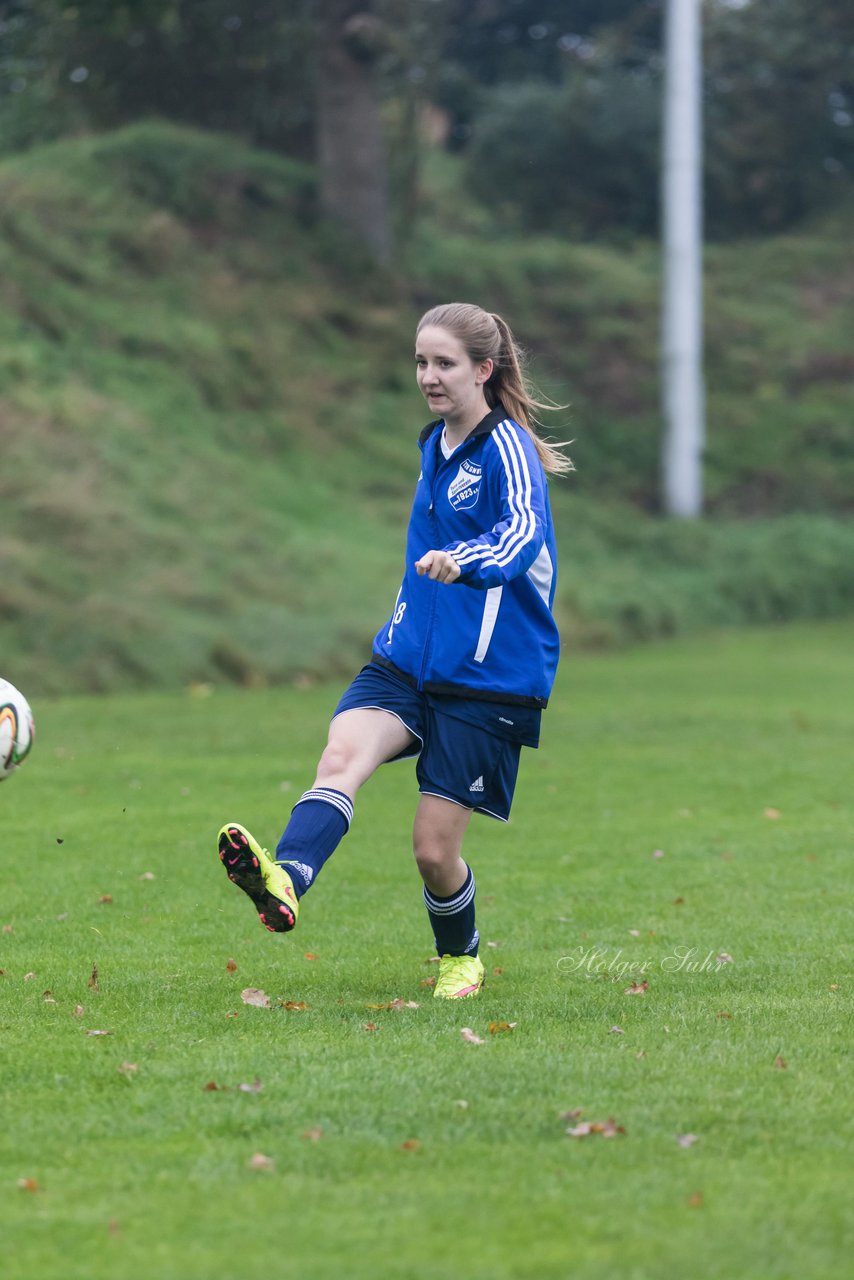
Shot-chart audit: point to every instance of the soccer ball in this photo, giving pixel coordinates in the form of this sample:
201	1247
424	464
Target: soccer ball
16	728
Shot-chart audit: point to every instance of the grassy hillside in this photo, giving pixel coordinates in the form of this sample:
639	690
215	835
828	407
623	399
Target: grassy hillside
207	418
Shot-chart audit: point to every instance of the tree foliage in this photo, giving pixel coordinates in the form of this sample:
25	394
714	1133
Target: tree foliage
554	103
581	153
779	110
500	44
590	163
224	65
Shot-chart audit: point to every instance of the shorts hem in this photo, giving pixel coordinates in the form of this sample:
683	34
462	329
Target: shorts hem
407	753
487	813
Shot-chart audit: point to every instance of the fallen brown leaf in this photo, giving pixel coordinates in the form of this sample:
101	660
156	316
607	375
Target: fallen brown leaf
469	1036
780	1061
310	955
293	1004
313	1135
428	982
8	928
695	1201
496	1027
411	1144
78	1011
369	1026
771	813
114	1228
48	997
723	1014
28	1184
255	996
212	1087
128	1068
93	979
636	989
679	902
105	899
605	1129
28	977
231	966
394	1004
834	986
575	1114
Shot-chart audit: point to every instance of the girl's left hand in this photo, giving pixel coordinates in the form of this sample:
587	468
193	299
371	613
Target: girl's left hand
439	566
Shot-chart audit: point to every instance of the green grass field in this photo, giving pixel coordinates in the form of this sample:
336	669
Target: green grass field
405	1151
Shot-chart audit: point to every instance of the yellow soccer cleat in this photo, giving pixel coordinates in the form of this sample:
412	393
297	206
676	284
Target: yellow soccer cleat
459	976
254	871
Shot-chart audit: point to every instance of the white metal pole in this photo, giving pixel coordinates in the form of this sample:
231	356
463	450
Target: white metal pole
682	323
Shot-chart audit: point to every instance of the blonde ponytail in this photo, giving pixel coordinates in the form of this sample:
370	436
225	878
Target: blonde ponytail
514	391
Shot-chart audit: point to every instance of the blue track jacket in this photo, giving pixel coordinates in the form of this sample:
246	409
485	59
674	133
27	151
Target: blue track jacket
490	634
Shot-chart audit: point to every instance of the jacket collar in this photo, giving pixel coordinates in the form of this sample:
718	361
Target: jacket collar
483	428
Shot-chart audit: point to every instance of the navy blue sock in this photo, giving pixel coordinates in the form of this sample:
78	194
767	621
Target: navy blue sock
319	821
453	920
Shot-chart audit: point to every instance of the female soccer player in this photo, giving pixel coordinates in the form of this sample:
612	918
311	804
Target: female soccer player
462	669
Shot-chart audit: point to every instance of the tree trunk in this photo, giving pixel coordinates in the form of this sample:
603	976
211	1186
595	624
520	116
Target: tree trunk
682	322
351	149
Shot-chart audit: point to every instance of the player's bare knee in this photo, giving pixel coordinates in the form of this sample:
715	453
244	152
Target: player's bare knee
432	859
335	762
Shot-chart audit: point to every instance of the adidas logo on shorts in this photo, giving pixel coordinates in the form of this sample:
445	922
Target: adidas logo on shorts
477	785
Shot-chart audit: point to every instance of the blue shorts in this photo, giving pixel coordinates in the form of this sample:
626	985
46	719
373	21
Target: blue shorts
457	761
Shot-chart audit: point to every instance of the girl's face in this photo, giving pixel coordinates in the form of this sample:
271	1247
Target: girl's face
448	378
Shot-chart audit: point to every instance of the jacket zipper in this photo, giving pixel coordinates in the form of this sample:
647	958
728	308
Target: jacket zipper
434	585
428	639
443	462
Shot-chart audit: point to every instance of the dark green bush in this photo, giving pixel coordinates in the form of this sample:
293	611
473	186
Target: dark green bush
580	158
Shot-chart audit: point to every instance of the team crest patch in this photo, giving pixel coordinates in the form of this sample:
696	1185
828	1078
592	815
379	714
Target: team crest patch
464	489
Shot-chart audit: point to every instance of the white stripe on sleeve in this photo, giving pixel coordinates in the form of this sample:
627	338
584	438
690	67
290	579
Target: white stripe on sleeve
522	526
